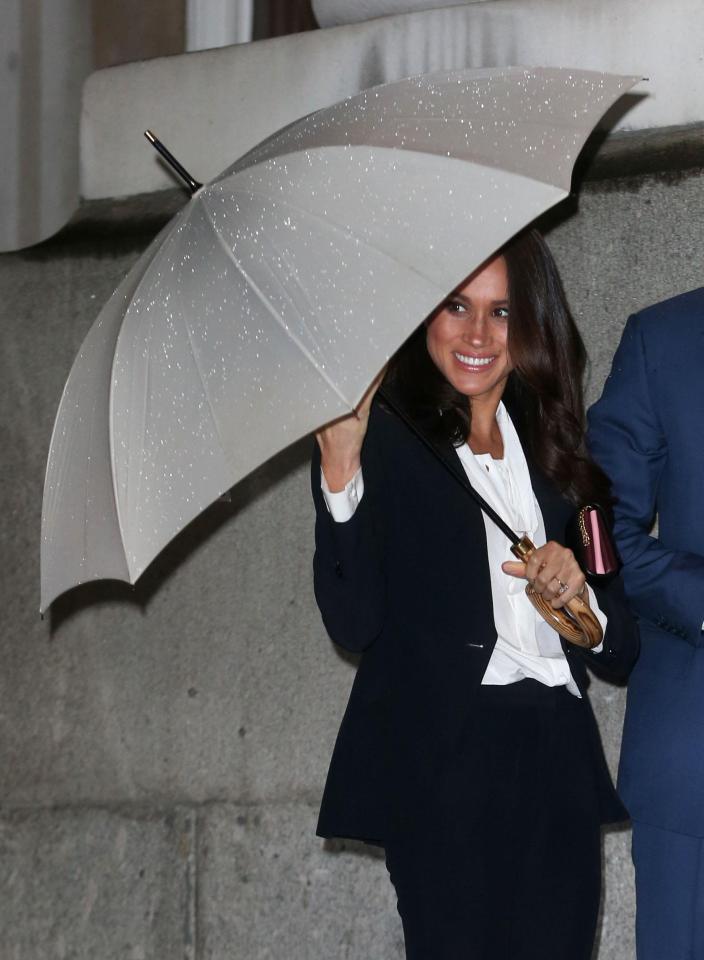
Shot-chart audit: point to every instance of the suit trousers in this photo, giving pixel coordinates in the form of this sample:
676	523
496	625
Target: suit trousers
507	863
669	894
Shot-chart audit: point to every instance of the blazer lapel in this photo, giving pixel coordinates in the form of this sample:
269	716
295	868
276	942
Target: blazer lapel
554	508
442	449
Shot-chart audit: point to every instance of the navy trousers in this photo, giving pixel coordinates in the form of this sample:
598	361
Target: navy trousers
507	866
669	894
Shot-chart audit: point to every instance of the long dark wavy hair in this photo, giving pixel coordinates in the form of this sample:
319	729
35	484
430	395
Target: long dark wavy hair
544	390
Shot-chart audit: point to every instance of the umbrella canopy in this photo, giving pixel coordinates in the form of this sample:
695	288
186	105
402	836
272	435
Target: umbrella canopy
272	299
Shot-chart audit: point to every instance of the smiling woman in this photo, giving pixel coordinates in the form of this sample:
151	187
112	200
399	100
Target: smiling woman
467	340
468	748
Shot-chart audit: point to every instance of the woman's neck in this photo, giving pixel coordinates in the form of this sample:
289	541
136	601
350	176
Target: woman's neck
484	433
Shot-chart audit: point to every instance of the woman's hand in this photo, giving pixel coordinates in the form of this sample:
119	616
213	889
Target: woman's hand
553	572
341	441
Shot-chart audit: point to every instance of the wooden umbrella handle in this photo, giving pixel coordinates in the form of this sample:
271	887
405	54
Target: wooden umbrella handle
576	622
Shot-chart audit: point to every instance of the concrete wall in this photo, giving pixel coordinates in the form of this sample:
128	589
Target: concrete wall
163	750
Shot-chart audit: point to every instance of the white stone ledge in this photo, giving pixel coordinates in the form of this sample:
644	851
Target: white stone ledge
333	13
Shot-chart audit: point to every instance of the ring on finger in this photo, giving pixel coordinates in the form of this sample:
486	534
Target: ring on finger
564	587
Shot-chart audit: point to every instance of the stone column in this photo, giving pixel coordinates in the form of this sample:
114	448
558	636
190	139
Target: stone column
45	54
218	23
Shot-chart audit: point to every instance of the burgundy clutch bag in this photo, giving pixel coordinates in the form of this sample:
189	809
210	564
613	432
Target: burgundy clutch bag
593	543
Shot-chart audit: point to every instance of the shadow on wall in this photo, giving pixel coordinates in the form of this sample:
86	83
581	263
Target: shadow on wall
242	496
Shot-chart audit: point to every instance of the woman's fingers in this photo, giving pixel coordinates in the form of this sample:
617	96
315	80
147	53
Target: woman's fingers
340	450
569	589
364	405
514	568
352	427
553	572
341	441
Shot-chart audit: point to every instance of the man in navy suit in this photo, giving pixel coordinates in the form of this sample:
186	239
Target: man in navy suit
647	432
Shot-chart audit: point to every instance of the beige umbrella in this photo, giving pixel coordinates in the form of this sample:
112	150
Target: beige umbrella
273	298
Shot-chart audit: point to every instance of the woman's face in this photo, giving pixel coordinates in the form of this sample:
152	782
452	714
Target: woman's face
468	336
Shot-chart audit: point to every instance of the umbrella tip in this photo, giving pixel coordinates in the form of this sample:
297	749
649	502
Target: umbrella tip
192	184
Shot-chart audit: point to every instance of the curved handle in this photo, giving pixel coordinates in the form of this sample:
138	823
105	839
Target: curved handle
576	622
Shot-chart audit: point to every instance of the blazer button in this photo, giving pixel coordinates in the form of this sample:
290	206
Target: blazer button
338	569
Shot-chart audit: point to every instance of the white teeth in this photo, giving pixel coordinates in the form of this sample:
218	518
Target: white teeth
474	361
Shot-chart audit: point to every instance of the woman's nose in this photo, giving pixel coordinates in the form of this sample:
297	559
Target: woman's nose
475	329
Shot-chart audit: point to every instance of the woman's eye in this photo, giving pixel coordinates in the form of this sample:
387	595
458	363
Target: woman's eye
501	312
454	306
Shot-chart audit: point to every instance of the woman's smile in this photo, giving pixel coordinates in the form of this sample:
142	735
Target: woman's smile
474	362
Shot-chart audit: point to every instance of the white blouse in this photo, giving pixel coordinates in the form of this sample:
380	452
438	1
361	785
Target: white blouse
526	646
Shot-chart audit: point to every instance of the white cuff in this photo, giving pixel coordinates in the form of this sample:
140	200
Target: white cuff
601	617
343	504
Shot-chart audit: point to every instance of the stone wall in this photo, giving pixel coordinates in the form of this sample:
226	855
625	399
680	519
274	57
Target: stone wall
163	749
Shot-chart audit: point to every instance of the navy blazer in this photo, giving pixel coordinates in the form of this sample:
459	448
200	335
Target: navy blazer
647	432
405	582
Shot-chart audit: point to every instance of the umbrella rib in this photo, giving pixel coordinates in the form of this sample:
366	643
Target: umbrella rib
275	314
201	377
339	228
283	253
168	235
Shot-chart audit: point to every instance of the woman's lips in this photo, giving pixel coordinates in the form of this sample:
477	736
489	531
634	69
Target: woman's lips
473	363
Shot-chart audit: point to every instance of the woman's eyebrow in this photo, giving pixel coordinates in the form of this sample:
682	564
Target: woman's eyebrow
468	300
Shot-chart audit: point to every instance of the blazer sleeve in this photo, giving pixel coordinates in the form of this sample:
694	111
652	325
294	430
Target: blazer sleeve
621	638
665	587
348	573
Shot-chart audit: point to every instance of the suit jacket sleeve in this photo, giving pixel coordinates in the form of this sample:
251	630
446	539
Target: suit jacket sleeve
347	567
621	640
665	587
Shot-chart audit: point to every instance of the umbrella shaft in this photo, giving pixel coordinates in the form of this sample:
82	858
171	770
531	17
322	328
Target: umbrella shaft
458	473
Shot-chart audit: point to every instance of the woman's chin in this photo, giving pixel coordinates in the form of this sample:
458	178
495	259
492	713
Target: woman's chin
475	389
